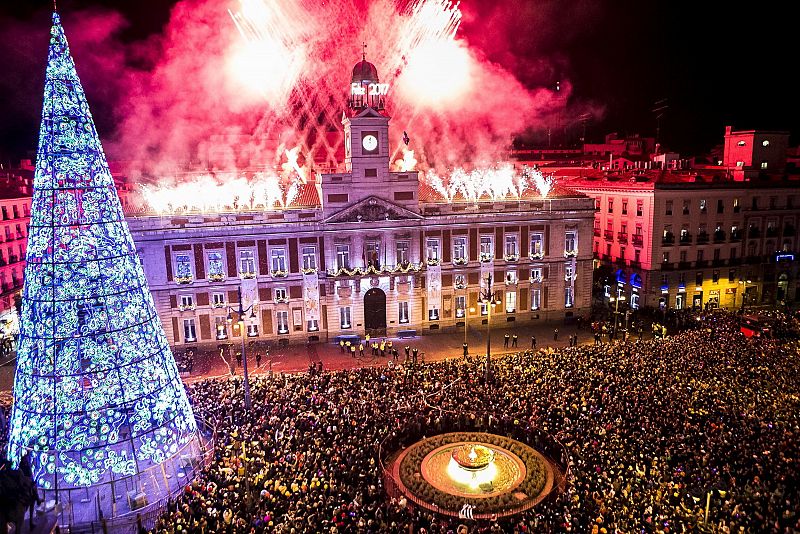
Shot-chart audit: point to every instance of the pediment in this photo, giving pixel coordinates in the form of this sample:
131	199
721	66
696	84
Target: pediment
372	209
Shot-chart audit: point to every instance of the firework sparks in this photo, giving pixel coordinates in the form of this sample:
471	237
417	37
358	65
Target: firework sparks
407	163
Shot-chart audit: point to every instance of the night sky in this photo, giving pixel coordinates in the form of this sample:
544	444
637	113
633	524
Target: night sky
715	63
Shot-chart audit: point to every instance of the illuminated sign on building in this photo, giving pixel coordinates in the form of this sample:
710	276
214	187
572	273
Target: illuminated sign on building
373	89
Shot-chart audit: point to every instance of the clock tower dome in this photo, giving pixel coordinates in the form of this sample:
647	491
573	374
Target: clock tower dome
366	145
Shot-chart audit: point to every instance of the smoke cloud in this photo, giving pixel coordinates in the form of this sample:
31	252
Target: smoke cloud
203	95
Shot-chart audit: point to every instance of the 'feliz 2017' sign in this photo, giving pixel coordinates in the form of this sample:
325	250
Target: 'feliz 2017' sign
373	89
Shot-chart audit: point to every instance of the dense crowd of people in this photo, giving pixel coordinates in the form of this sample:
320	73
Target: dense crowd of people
656	430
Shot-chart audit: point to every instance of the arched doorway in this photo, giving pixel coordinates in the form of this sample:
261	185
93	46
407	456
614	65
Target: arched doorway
375	309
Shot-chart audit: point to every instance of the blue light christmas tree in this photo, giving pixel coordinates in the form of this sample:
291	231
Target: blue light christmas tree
97	395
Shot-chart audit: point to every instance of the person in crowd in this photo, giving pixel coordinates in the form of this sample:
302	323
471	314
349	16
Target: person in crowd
654	430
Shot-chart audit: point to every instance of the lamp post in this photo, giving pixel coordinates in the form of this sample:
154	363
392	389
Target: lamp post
743	283
466	321
616	300
487	296
241	311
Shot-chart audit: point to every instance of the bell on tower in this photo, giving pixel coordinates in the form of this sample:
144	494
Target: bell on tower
365	88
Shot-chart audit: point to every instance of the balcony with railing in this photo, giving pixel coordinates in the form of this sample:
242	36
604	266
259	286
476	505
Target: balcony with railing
609	235
752	260
686	239
597	232
684	264
753	232
620	261
701	263
638	240
605	257
718	262
636	264
667	266
702	238
719	236
622	237
668	239
734	261
736	235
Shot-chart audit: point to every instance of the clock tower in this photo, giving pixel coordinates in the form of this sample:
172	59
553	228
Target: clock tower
366	145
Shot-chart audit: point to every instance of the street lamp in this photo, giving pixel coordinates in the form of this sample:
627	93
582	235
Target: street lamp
241	311
487	296
466	321
743	283
616	300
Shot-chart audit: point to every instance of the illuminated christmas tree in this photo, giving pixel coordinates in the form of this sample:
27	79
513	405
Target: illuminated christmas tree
97	395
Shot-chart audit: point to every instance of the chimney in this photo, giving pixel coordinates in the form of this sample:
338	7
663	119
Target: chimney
728	130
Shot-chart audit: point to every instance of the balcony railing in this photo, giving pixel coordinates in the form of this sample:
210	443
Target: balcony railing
718	262
736	235
638	240
701	263
668	239
686	239
636	264
702	238
609	235
752	260
753	232
719	236
734	261
622	237
620	262
605	257
667	266
597	232
684	264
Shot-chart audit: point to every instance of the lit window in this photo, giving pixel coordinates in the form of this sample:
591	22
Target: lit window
569	297
187	302
222	327
764	143
283	321
537	245
309	258
569	273
511	246
344	317
433	314
486	247
247	262
252	330
216	267
763	164
372	254
218	300
459	248
536	274
189	333
183	267
571	242
342	256
313	325
536	298
402	312
461	306
280	295
401	252
740	163
432	248
511	277
741	143
511	301
278	260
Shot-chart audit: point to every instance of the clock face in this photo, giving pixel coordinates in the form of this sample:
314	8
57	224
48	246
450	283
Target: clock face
369	142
